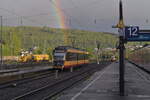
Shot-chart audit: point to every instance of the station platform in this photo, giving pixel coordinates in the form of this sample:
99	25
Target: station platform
104	85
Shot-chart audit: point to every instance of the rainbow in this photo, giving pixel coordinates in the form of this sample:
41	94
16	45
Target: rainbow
60	17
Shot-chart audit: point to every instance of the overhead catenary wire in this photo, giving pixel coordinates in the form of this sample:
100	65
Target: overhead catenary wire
64	11
27	17
17	15
70	18
66	34
91	3
42	14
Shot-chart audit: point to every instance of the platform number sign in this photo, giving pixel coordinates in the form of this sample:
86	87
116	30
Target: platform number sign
132	31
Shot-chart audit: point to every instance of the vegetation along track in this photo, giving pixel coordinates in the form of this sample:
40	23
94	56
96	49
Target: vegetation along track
140	67
48	91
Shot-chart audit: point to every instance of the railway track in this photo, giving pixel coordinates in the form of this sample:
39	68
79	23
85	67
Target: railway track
24	65
26	80
46	86
51	90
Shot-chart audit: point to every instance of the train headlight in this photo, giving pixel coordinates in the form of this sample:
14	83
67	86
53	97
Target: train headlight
58	63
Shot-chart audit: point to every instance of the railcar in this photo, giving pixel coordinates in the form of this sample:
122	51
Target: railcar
66	57
25	58
28	57
41	57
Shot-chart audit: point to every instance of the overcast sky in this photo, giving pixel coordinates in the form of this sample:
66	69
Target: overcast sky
81	13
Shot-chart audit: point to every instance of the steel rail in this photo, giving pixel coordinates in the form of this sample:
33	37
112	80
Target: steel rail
26	80
66	87
60	82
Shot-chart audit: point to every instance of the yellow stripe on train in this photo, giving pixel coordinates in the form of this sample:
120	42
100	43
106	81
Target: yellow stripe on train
68	64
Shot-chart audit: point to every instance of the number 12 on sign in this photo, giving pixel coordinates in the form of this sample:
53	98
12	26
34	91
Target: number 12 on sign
132	31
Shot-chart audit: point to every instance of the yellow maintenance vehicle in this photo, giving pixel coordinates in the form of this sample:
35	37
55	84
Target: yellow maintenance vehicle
29	57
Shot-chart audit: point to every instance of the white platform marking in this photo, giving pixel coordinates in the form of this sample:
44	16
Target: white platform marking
85	88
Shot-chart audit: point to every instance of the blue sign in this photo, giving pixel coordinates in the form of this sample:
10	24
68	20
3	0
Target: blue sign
133	34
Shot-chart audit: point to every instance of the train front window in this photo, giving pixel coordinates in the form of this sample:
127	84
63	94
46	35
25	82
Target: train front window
59	56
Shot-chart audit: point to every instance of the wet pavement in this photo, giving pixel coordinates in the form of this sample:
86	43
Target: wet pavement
104	85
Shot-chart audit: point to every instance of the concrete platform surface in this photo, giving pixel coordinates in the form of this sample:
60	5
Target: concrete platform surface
104	85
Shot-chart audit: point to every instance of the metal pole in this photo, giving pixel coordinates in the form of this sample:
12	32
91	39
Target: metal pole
56	74
121	50
21	22
71	69
97	60
44	48
1	42
121	65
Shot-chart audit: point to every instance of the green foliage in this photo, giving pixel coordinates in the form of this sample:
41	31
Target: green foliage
46	39
141	56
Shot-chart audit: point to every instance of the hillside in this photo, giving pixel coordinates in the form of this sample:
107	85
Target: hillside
46	39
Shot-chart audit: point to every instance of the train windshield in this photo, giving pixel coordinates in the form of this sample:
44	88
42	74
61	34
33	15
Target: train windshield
59	56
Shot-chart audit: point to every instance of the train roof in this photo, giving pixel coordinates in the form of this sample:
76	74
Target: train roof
71	49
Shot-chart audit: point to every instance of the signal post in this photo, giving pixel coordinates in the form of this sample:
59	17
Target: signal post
127	34
121	48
